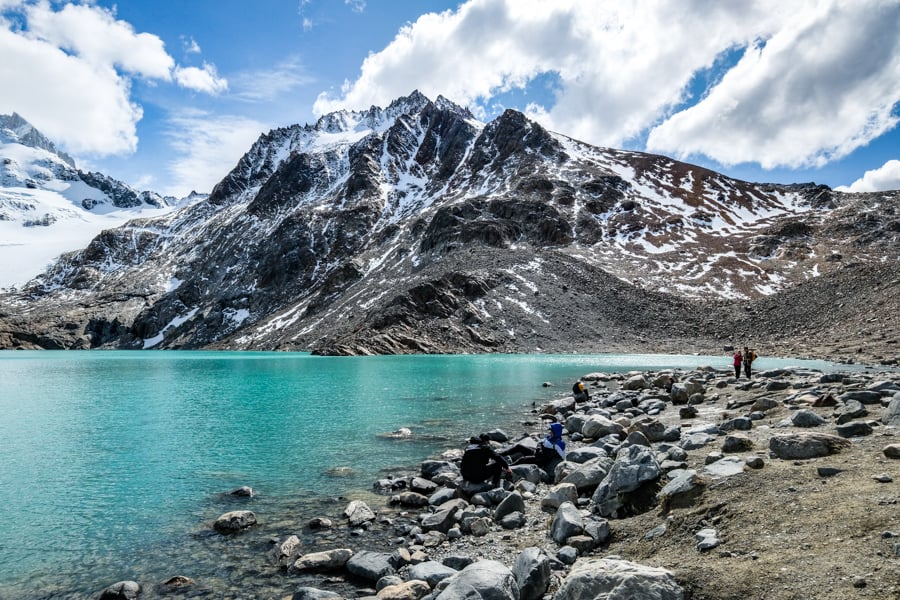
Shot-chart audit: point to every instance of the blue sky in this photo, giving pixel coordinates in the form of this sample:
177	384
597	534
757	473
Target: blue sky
169	95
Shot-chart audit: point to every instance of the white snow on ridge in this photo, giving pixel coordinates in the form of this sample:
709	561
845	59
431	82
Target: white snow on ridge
25	251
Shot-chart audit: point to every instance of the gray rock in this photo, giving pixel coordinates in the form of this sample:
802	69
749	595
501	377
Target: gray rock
423	486
680	491
892	451
512	503
805	445
726	467
583	544
707	539
854	429
286	552
532	473
358	513
566	523
441	520
482	580
414	589
243	492
327	560
863	396
441	496
755	462
584	454
598	426
613	579
587	476
513	520
567	555
431	468
736	443
807	418
852	409
597	529
634	467
635	382
122	590
737	423
431	572
679	394
563	492
892	413
388	580
370	566
532	572
696	440
311	593
234	521
410	499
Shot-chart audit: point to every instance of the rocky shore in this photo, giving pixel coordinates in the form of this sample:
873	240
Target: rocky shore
785	486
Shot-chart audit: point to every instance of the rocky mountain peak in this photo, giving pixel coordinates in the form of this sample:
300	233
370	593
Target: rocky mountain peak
15	129
415	228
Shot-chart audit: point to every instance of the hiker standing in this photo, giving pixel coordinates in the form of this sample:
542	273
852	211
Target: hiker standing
748	357
738	360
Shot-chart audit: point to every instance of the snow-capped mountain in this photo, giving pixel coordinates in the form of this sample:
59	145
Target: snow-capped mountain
417	228
48	206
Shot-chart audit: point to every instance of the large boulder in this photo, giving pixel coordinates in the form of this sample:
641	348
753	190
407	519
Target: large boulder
892	414
598	426
414	589
234	521
358	513
512	503
566	523
532	573
587	476
370	566
431	572
805	445
612	579
311	593
634	467
327	560
563	492
482	580
122	590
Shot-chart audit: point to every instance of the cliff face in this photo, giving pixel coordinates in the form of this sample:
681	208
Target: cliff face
415	228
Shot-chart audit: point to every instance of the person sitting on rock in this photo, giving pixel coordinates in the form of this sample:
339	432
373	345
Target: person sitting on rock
550	450
580	392
481	462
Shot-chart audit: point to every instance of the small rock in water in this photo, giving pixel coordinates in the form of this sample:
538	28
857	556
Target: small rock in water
244	492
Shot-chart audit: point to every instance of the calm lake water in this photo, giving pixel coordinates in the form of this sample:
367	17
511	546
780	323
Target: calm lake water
114	464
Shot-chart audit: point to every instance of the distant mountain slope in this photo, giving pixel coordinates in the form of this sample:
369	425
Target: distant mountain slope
48	206
416	228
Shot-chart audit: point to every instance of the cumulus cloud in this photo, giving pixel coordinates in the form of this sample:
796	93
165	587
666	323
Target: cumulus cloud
886	177
206	147
814	79
202	80
69	72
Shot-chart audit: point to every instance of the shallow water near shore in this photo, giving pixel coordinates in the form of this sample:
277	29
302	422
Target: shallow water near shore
114	464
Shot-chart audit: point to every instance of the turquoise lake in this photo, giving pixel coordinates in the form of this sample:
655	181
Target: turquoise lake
113	464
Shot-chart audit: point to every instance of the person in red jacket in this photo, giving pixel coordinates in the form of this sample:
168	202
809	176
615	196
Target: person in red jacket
738	360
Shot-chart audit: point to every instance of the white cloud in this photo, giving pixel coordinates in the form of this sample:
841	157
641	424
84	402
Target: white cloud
823	85
207	147
77	105
69	72
886	177
817	78
190	45
283	78
202	80
356	5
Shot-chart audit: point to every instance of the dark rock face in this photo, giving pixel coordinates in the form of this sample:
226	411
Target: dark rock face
421	230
